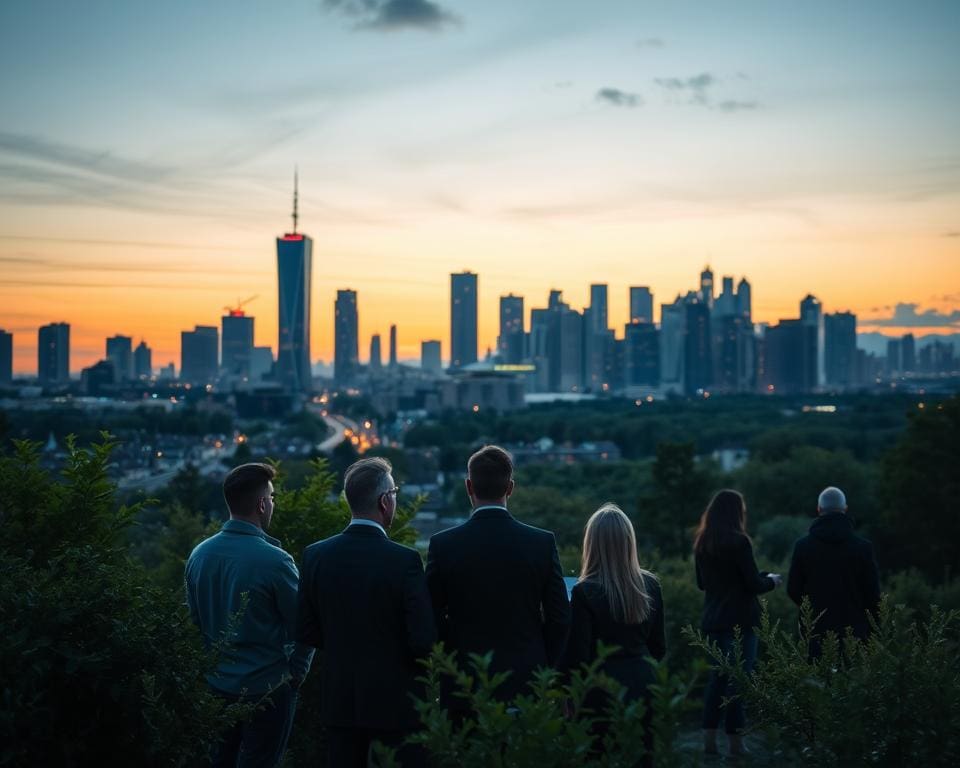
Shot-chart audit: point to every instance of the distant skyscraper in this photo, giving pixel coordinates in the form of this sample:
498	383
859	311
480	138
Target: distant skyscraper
790	357
376	358
571	350
598	307
641	355
53	353
430	359
697	348
510	343
735	353
99	379
142	361
463	319
393	346
237	342
706	287
261	363
811	314
726	303
346	337
744	302
294	276
120	353
673	324
595	334
894	357
641	304
840	348
6	358
198	354
908	353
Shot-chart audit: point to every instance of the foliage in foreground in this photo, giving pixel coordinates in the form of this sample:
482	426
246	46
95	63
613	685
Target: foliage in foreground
97	664
892	700
582	720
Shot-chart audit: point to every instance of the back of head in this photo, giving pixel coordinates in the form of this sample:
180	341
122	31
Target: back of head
245	485
831	500
364	482
490	471
610	558
722	522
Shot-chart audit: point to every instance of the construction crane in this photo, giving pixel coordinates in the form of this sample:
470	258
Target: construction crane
237	311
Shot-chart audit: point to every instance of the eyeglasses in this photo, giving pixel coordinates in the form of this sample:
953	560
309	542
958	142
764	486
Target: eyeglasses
395	491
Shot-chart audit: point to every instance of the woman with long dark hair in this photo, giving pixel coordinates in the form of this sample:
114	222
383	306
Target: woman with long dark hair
728	575
618	603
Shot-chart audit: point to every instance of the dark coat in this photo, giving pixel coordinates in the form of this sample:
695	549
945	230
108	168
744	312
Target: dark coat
838	571
731	583
364	604
592	622
497	585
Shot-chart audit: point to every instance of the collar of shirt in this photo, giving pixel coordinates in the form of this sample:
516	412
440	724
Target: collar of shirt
488	506
371	523
247	529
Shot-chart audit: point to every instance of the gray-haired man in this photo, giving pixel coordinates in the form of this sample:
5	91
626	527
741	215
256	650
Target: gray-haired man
836	569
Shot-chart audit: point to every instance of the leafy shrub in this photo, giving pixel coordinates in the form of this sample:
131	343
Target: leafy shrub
97	664
556	723
891	700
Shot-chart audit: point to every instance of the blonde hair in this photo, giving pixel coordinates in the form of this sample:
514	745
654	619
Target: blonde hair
610	559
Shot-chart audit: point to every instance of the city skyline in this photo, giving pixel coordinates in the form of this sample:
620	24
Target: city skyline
541	147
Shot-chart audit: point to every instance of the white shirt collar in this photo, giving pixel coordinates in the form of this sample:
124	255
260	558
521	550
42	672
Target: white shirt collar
364	521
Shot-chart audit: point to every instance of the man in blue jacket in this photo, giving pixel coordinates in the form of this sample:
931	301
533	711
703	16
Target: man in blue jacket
242	594
837	570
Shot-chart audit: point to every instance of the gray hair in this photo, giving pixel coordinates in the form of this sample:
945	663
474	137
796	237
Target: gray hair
832	500
365	482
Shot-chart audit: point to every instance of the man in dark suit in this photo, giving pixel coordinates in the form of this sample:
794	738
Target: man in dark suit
496	584
364	604
836	569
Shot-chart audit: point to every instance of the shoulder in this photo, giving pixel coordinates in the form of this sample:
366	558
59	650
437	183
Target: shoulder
650	582
586	592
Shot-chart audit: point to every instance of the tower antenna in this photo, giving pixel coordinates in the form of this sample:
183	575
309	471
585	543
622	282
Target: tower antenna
295	216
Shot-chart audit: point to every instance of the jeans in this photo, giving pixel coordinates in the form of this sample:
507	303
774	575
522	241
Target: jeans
719	687
260	741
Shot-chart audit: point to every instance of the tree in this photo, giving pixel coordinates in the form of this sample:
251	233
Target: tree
920	492
681	491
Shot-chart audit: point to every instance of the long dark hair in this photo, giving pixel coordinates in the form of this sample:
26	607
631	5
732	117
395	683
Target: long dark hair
722	522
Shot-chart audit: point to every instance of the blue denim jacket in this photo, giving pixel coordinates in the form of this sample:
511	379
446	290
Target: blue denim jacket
242	564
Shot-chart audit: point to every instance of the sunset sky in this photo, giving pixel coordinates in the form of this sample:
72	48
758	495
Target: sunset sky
147	153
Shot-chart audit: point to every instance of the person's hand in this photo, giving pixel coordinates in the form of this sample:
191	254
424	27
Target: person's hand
776	578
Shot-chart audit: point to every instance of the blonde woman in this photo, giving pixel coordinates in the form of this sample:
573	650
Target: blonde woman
616	602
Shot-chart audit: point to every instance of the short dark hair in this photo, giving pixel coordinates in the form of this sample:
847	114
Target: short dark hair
363	483
245	484
490	470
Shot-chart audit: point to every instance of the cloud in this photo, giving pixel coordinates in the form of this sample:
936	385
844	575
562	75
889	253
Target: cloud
906	316
697	90
650	42
619	98
951	234
393	15
696	86
736	106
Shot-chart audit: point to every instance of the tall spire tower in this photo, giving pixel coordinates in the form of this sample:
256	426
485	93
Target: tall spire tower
294	277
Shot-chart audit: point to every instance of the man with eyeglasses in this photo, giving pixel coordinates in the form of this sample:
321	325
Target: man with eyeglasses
364	605
242	592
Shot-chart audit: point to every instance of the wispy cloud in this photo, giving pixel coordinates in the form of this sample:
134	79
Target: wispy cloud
951	234
394	15
650	42
905	315
619	98
699	91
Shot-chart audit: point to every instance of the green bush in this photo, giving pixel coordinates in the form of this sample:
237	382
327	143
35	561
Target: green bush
555	723
97	664
891	700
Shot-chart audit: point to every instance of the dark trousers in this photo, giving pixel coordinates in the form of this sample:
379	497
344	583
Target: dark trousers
719	687
351	748
260	741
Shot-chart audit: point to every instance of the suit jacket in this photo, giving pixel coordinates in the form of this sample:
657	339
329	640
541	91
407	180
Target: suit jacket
838	570
496	585
731	583
363	602
593	622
